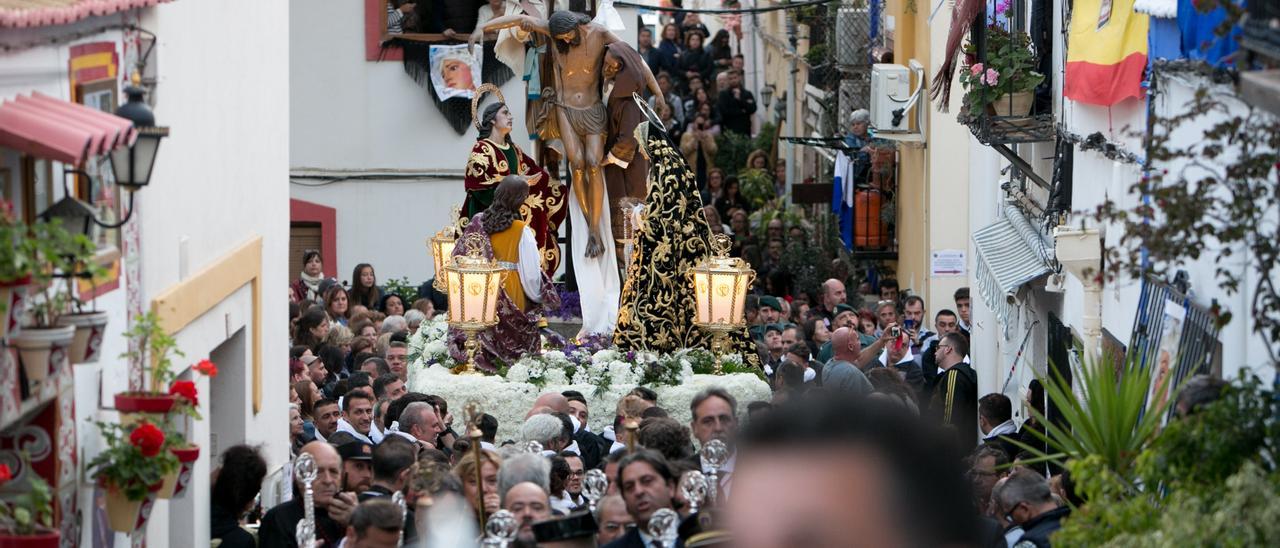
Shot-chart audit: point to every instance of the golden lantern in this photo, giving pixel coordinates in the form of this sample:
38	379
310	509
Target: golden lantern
720	285
441	246
473	285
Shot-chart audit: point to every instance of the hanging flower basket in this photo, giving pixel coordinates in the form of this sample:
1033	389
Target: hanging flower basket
42	349
13	295
137	406
86	345
127	516
175	483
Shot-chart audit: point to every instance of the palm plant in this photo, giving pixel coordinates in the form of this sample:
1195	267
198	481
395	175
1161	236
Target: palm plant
1116	417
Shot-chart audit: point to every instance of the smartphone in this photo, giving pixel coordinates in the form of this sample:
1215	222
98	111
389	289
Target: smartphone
909	324
895	332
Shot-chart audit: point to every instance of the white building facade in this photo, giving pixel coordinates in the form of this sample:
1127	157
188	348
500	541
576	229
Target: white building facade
204	247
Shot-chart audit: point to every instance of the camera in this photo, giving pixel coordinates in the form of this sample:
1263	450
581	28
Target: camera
895	332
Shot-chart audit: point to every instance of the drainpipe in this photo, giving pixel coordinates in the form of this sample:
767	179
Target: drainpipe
793	106
1079	251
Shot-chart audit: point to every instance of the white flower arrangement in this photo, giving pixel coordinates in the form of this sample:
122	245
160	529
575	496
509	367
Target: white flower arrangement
603	376
429	345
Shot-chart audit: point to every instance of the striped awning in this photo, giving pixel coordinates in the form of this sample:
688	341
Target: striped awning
42	13
1010	254
62	131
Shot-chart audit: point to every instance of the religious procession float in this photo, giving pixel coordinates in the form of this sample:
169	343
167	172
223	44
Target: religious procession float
663	310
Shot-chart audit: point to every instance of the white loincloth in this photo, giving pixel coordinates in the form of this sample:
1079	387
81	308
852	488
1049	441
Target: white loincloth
598	283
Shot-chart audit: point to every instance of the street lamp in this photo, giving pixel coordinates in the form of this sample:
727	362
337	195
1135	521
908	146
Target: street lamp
132	165
475	281
441	246
766	96
720	285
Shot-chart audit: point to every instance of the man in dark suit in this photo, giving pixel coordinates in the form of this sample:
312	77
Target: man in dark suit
647	485
593	447
736	106
332	509
955	402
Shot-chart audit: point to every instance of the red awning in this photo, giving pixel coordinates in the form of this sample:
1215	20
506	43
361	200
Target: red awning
61	131
42	13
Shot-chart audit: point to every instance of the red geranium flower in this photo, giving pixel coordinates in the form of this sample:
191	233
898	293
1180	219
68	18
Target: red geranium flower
185	390
148	439
5	474
206	367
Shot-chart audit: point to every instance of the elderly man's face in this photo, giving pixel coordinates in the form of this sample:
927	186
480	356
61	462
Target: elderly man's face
614	520
328	473
530	504
714	419
846	319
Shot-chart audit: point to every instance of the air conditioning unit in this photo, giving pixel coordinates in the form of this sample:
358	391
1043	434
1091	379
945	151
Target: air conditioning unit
890	91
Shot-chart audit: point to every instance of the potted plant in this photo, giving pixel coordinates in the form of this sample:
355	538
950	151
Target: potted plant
90	324
131	470
152	347
1004	83
27	522
187	404
58	254
15	268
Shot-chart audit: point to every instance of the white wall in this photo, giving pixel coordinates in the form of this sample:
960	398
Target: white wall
220	181
349	114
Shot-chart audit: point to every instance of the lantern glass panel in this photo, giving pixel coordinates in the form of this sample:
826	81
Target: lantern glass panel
722	297
702	296
456	302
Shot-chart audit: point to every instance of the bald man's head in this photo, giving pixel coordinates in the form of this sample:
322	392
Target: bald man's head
554	401
328	472
833	293
845	345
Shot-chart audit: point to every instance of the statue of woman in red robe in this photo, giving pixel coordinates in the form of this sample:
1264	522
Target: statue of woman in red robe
495	156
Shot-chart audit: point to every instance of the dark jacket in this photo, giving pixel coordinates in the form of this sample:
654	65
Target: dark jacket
593	448
280	526
1038	529
224	526
955	404
735	112
410	524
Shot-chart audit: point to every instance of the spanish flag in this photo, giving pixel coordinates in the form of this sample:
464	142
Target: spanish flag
1106	52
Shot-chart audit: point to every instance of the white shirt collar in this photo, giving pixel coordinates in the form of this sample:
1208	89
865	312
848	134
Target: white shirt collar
344	426
1004	428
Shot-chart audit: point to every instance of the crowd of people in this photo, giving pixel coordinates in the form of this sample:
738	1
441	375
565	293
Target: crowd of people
878	406
875	397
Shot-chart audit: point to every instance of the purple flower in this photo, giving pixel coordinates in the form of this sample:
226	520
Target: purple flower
1003	6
